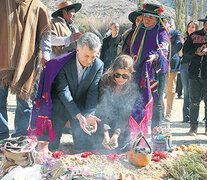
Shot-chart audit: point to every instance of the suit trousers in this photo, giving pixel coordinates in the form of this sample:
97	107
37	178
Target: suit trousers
81	140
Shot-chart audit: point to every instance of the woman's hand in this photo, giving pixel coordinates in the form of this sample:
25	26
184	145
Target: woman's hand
114	140
106	140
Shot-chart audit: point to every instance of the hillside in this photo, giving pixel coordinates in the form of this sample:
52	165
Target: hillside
117	9
101	13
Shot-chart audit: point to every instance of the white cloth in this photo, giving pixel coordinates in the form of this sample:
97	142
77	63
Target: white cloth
60	41
27	173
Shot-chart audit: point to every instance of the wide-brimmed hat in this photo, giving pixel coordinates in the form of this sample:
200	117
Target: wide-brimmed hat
203	20
153	10
133	15
66	5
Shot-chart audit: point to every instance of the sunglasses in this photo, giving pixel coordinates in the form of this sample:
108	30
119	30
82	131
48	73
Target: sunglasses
118	75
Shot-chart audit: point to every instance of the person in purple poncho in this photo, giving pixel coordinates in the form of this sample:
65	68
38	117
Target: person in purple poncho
148	45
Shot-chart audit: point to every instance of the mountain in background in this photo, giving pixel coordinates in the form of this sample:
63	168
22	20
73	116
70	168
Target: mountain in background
116	9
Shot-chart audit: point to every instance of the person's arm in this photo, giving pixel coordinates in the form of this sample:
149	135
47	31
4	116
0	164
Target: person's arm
64	41
45	46
160	55
103	49
188	48
92	95
63	92
177	42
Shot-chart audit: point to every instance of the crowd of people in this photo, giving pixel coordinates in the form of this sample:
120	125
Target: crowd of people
107	91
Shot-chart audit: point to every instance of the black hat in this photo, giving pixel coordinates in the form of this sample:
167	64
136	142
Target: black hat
66	5
203	20
153	10
133	15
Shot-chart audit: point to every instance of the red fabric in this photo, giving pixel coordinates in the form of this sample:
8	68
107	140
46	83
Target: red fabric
46	96
112	157
156	159
86	154
57	154
160	154
38	103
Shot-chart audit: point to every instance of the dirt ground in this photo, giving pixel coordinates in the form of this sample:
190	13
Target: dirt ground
179	129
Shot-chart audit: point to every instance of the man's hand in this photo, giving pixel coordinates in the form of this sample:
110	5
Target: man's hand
75	36
43	62
201	50
152	58
83	123
91	120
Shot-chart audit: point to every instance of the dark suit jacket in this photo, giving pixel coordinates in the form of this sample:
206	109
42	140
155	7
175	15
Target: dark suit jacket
70	98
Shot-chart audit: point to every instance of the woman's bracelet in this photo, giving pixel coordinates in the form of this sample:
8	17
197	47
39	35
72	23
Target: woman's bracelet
117	132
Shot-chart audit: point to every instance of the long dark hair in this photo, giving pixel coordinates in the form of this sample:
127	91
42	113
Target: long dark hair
121	62
196	27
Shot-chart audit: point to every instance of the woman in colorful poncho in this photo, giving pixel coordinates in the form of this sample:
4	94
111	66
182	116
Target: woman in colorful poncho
148	45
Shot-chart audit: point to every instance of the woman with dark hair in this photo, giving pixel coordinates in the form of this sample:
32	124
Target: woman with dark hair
117	98
191	27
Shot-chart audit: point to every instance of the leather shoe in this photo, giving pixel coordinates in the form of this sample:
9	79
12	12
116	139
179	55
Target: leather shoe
193	131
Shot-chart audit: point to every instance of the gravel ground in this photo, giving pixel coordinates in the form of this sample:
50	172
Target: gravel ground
179	129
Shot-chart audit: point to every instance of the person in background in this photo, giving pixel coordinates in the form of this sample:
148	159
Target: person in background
191	27
68	90
176	45
195	50
64	32
117	98
25	29
110	45
135	17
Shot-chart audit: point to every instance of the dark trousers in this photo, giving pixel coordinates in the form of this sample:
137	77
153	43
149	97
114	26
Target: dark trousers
179	85
198	90
157	101
22	114
81	140
185	83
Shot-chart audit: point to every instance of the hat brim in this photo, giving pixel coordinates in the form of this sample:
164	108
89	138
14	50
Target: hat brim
202	20
151	14
133	15
76	6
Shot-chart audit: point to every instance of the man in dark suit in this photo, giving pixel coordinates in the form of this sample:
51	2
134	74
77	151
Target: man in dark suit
75	94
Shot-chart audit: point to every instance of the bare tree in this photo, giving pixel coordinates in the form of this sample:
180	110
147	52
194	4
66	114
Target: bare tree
179	14
200	10
186	13
194	9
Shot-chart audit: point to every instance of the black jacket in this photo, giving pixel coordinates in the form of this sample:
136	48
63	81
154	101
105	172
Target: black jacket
198	64
109	50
